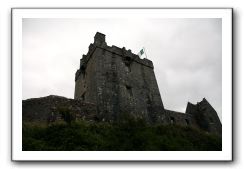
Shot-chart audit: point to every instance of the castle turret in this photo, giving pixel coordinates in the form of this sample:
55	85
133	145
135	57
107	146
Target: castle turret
99	39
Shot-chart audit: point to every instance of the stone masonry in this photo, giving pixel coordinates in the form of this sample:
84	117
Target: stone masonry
46	109
119	82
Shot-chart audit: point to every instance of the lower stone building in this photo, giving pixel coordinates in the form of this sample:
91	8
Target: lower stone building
50	108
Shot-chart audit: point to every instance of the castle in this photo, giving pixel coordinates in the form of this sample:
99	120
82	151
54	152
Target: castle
119	82
112	83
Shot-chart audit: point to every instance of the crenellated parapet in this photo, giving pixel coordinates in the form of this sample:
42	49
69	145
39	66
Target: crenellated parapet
99	42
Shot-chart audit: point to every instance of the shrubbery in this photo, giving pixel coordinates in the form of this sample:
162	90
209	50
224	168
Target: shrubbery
130	135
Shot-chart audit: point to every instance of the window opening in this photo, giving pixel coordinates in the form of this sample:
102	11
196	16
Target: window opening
129	90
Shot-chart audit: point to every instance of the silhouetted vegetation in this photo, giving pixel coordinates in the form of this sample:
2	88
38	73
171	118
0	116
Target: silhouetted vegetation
66	114
127	135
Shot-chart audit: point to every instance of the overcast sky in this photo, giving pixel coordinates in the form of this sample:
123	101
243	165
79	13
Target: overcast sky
186	54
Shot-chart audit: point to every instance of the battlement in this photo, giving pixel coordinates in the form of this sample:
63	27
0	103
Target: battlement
100	43
99	38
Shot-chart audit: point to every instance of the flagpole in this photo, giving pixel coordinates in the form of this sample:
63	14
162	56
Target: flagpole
145	52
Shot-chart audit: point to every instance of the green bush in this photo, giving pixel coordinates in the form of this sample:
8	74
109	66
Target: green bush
130	135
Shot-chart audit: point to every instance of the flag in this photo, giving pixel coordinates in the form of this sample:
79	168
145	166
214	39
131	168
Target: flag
141	52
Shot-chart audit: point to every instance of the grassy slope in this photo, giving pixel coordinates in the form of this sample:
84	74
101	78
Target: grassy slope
127	136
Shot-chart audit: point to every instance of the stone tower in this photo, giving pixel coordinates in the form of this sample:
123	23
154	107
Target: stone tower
118	82
205	116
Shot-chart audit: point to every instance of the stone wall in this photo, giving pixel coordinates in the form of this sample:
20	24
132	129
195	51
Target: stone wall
201	115
179	118
45	109
205	116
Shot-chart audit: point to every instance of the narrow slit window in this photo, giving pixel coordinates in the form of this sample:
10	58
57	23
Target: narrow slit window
129	91
128	64
127	68
83	74
83	96
149	101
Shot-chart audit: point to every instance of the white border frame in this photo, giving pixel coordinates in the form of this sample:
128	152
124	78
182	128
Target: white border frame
19	155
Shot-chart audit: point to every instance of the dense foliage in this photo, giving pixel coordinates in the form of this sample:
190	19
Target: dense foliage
128	135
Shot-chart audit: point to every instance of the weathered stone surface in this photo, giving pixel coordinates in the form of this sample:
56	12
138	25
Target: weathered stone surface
117	81
45	109
205	116
180	118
